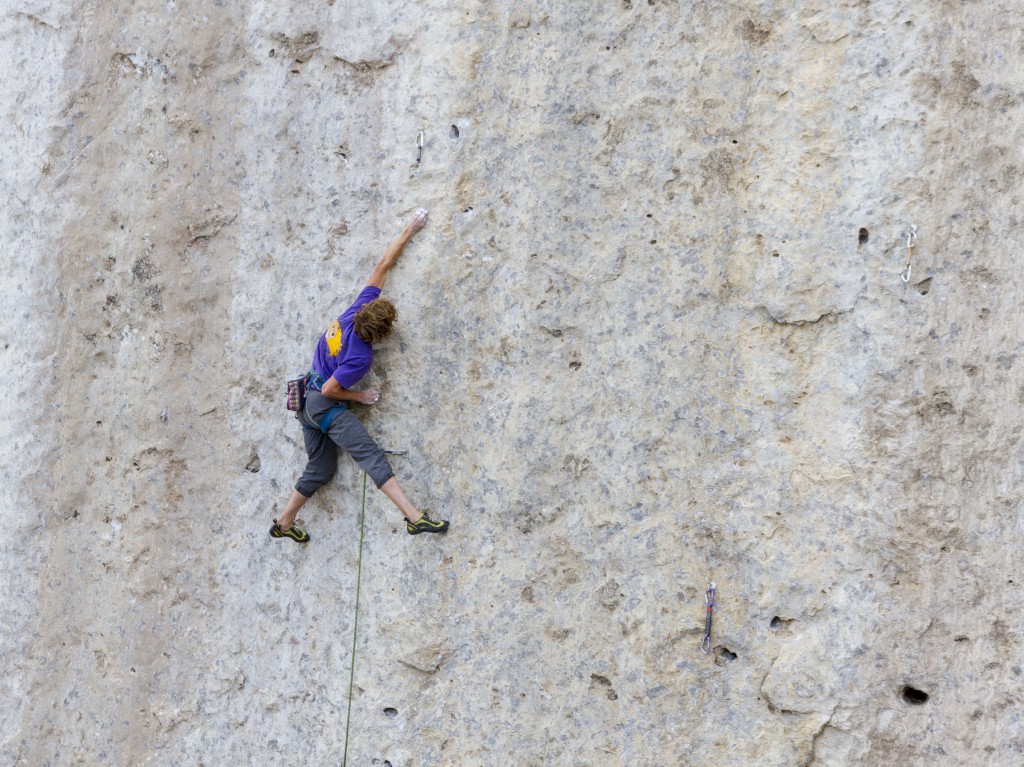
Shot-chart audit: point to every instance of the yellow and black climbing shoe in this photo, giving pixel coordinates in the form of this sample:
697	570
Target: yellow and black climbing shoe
426	524
294	532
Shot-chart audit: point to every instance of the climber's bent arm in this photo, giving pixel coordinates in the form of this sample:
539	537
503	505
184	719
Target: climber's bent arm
334	390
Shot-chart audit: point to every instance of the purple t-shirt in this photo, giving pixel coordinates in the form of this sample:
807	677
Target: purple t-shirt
340	352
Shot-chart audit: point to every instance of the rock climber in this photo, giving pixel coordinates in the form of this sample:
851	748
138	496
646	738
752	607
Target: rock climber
343	356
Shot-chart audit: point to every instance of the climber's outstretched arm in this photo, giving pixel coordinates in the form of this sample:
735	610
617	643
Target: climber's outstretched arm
380	272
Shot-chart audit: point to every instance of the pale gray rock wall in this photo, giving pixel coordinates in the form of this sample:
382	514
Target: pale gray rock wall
656	329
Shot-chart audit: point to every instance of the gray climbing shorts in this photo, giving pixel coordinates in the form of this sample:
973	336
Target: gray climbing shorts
346	432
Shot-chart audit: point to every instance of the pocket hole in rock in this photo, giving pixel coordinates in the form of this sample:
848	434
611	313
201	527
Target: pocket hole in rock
913	696
862	236
775	254
778	623
724	655
391	713
254	462
454	133
924	286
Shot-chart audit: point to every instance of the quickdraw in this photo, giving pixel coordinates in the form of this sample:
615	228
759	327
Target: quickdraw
419	146
911	239
709	601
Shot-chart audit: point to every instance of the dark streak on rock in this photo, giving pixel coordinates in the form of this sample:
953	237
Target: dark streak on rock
754	32
209	228
36	20
300	48
832	315
366	65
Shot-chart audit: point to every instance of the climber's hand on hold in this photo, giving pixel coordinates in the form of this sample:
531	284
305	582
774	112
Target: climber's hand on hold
418	221
369	396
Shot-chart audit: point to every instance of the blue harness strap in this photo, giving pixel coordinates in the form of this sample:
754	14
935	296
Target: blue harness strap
316	383
328	418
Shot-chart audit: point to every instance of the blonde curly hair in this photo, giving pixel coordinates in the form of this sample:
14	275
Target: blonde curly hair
373	322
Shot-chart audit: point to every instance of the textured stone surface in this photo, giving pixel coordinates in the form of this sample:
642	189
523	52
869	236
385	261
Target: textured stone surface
655	328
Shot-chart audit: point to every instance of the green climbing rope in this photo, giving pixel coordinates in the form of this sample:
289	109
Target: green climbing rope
355	625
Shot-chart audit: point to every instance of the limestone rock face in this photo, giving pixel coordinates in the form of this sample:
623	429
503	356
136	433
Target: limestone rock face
659	329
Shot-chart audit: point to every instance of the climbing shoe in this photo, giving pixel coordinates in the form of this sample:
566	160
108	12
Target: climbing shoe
426	524
294	532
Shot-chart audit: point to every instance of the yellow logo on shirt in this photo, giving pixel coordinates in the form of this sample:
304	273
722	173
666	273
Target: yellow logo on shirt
333	336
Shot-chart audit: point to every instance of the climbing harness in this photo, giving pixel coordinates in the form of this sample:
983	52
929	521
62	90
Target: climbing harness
355	626
709	601
315	382
911	239
419	146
